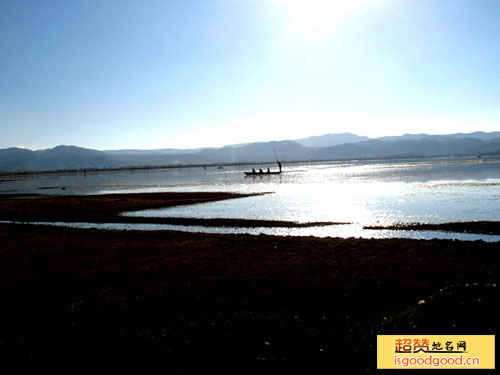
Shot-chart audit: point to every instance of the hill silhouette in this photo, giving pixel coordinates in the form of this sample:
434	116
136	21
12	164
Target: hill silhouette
333	148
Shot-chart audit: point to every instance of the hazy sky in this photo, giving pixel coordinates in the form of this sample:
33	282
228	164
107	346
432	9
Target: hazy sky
189	73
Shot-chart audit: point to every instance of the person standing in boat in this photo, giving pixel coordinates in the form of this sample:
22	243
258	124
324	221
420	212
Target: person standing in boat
279	165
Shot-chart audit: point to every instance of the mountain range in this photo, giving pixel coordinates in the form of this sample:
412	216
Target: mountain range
327	147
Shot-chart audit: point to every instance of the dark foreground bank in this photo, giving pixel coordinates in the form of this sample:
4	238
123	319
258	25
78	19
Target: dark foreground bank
75	301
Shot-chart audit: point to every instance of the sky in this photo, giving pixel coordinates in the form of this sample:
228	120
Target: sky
150	74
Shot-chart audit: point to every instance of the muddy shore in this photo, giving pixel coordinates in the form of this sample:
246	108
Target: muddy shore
106	208
75	301
478	227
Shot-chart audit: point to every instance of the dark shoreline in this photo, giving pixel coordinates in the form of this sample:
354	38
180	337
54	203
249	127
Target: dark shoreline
107	208
188	303
476	227
104	301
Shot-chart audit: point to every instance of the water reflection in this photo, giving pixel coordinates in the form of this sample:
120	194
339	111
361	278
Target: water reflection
361	192
339	231
376	203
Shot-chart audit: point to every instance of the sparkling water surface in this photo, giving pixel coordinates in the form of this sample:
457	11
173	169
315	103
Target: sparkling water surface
360	193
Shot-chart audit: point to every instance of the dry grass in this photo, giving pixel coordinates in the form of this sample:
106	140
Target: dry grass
181	303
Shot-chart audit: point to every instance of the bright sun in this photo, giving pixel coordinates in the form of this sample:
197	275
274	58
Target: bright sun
312	16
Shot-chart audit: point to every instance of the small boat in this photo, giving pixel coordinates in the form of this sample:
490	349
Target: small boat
260	172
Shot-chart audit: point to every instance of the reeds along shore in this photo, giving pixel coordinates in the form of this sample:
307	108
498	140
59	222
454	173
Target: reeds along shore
74	301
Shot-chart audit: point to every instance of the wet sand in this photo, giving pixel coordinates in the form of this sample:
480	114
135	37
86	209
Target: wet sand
75	300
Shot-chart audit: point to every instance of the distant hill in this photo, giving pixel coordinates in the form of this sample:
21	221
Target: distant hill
60	157
416	145
331	140
167	151
405	148
477	135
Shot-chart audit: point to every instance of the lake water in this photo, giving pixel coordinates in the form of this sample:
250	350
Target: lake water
357	192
